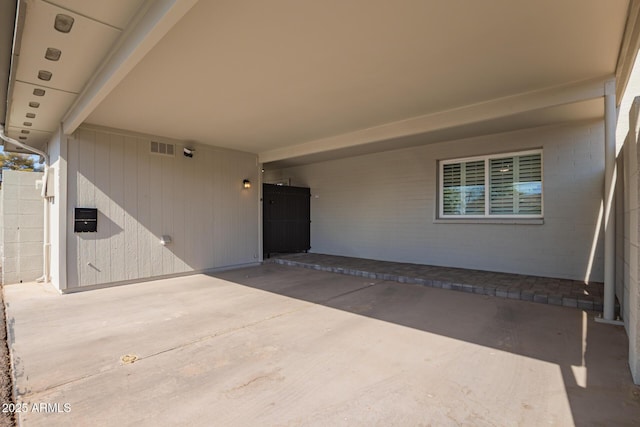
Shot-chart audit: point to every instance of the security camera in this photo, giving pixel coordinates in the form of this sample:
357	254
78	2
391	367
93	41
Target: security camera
188	152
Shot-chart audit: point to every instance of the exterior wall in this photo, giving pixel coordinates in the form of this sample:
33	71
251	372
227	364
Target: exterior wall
140	197
629	190
22	219
383	206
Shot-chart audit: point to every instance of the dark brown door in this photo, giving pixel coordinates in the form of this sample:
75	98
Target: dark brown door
286	214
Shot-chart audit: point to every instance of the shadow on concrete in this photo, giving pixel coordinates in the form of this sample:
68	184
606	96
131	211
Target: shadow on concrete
592	357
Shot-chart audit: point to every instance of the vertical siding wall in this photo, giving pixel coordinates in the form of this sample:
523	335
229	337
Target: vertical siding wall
383	206
140	196
22	219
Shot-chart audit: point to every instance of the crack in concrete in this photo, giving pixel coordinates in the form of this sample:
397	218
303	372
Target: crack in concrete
32	393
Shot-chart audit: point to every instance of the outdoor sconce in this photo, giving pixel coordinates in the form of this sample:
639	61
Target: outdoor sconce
246	183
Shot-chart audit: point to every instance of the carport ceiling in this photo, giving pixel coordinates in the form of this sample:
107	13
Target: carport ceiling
266	76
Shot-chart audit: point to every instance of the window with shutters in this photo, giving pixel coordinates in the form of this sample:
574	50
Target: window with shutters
496	186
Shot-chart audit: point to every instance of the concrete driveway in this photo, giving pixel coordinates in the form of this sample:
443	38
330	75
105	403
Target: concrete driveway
275	345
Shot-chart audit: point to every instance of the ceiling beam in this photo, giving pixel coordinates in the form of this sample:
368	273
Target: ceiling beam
153	22
496	108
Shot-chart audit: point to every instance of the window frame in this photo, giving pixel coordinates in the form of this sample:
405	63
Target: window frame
487	191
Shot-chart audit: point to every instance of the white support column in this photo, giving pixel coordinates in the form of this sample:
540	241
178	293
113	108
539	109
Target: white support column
62	212
610	119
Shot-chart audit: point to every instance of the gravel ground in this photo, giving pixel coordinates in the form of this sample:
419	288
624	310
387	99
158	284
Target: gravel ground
6	396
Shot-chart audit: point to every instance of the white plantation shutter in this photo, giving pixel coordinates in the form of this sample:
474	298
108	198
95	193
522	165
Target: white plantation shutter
451	181
516	185
474	188
463	188
529	186
502	185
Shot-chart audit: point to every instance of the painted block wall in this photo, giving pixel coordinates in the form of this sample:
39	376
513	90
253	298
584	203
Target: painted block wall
199	202
22	226
628	189
383	206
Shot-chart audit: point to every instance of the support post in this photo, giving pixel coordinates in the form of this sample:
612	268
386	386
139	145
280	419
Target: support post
610	119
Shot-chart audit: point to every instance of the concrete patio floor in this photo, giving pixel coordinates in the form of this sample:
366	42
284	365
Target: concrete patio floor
278	345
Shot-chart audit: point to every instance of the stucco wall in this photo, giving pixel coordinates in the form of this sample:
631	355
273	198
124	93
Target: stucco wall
383	206
140	196
22	222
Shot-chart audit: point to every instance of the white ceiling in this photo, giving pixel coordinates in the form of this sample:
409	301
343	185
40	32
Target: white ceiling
258	75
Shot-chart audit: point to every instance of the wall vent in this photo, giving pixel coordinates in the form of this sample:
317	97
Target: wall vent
162	148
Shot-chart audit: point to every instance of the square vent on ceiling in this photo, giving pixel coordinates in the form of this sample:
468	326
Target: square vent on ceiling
162	148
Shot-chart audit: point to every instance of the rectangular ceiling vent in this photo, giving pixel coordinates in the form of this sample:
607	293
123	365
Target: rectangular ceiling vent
162	148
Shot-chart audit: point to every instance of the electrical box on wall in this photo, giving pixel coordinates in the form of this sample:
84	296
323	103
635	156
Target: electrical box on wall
48	180
85	220
51	182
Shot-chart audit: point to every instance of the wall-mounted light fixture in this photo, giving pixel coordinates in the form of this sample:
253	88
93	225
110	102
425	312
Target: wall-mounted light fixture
246	183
